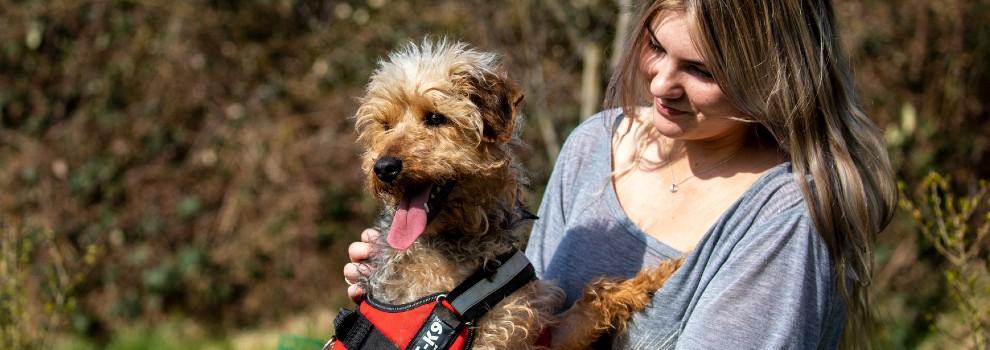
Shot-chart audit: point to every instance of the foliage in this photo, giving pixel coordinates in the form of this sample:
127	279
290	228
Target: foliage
37	294
958	227
921	69
205	146
200	144
167	336
164	159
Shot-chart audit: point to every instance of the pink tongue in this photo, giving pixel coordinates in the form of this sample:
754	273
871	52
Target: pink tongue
409	221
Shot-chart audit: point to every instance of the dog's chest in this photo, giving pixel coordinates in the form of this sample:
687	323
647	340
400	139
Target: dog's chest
417	276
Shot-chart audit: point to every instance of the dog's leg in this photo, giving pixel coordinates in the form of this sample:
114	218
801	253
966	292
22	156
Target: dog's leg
608	304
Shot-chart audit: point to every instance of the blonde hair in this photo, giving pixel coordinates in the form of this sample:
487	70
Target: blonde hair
780	63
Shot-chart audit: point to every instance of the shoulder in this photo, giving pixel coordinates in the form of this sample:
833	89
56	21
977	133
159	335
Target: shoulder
590	140
595	129
770	235
773	215
775	195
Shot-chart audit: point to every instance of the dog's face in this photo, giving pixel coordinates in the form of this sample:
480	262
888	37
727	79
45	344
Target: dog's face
434	122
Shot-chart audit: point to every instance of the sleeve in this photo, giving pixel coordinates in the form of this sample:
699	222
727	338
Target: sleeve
552	219
776	291
580	154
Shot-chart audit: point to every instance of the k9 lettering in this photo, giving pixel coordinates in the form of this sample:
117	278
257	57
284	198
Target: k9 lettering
431	337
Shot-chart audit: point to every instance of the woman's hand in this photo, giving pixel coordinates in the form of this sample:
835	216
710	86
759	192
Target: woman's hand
356	269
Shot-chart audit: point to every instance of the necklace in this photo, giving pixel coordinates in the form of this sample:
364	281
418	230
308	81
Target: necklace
675	185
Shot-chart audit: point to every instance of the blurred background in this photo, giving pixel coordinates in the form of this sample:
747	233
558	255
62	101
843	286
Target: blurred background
182	174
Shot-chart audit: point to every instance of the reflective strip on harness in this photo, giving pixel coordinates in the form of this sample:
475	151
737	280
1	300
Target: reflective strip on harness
482	292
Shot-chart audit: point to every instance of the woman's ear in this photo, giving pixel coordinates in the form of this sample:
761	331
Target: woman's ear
498	99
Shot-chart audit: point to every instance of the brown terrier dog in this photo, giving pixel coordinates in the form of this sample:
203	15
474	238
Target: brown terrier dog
439	126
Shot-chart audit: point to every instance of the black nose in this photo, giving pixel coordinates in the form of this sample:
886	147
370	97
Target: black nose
388	168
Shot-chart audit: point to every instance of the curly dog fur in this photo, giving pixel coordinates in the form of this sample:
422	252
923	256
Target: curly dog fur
447	114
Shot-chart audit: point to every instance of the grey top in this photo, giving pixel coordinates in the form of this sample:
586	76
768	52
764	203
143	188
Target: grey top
760	278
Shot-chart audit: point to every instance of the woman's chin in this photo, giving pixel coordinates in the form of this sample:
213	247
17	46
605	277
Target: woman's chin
666	126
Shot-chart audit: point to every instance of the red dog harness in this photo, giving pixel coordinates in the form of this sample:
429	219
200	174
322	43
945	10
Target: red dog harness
437	322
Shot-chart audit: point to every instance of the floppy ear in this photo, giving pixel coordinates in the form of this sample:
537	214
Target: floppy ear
498	99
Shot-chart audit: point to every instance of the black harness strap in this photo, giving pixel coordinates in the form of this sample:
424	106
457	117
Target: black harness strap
438	332
356	332
490	284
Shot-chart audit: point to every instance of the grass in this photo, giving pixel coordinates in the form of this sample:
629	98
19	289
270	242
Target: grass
304	331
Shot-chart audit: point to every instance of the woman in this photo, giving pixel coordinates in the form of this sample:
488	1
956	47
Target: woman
751	158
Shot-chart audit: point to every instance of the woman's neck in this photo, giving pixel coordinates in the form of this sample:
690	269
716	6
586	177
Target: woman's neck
658	151
700	153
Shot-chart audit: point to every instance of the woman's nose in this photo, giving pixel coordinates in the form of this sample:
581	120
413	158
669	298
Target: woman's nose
664	83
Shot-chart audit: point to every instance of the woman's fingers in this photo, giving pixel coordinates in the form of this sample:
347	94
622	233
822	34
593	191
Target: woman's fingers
351	273
354	273
359	251
369	235
355	293
356	270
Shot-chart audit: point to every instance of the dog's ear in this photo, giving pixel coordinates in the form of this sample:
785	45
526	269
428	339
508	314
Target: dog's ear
498	100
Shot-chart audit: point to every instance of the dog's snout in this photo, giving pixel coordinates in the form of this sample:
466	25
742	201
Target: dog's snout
388	168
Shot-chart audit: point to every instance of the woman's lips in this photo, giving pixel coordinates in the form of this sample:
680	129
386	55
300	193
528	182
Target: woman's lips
666	110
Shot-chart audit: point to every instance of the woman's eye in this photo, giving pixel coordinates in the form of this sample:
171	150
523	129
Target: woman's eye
435	119
654	46
652	42
701	72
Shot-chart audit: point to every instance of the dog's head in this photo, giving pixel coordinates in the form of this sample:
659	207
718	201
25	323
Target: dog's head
435	122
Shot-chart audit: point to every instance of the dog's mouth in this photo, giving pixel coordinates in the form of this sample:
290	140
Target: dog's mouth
417	208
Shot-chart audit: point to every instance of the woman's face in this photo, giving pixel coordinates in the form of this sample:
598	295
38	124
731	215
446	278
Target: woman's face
687	102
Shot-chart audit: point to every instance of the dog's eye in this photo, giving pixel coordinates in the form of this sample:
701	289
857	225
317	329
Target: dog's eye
434	119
